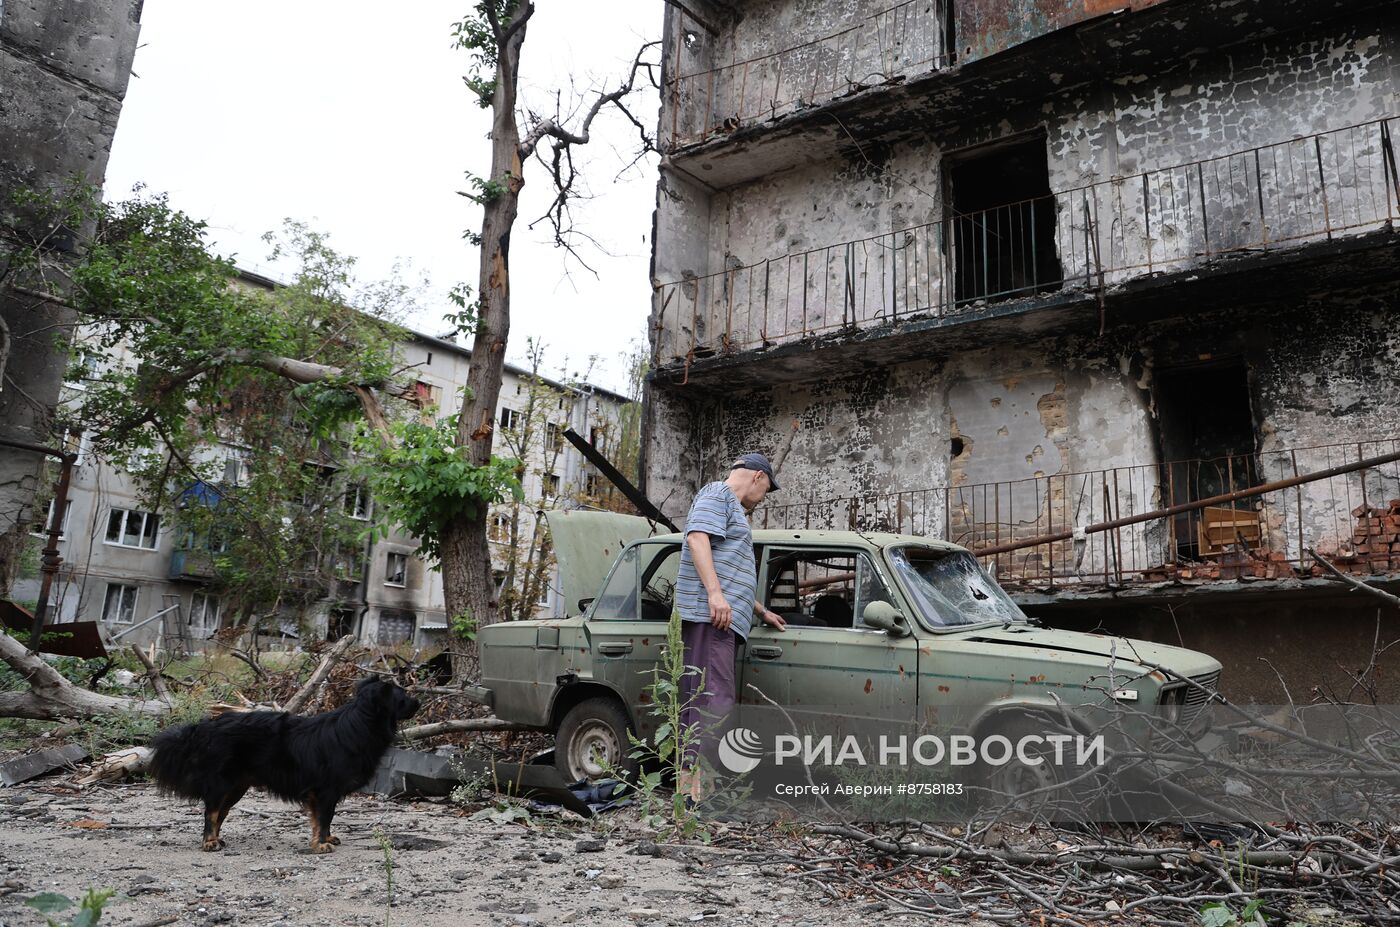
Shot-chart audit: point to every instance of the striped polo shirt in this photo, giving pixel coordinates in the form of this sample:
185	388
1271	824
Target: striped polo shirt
717	512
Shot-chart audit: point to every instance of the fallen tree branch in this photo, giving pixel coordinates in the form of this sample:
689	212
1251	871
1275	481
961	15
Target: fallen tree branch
51	697
119	765
1355	583
153	673
422	731
303	695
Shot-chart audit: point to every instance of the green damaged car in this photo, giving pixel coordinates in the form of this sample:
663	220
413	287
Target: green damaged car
888	627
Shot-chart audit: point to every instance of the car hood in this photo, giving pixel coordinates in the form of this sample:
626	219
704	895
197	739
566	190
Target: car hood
585	546
1124	649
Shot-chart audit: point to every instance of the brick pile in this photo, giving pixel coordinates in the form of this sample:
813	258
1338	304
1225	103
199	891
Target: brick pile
1375	541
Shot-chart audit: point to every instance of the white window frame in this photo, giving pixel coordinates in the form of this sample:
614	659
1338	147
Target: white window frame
389	571
89	362
359	505
42	529
242	472
199	603
140	534
499	529
123	605
510	419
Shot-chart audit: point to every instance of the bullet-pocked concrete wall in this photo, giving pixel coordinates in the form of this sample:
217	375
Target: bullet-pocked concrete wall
812	247
1040	406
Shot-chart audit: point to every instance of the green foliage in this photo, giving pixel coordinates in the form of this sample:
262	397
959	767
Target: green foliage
464	626
423	482
476	35
1220	914
183	368
665	755
487	191
386	847
89	910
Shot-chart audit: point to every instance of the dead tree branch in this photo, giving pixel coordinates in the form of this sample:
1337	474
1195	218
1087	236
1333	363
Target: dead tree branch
303	695
478	725
1352	581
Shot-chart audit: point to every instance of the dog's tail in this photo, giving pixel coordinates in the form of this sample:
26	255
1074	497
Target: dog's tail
175	765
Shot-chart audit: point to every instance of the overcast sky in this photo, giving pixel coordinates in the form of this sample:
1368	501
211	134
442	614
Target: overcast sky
352	116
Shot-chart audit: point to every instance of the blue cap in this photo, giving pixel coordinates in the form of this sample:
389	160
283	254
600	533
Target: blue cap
760	463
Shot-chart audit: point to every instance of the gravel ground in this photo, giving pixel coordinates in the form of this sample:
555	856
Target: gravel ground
449	868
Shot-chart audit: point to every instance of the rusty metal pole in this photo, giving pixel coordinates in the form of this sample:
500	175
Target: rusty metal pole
50	559
1193	506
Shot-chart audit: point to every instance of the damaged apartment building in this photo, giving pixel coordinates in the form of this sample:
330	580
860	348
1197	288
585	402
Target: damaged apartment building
1005	270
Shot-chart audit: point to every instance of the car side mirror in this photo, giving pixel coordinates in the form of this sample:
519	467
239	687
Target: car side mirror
584	603
886	617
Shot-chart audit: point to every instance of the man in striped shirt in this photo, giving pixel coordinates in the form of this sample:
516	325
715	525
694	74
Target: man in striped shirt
715	596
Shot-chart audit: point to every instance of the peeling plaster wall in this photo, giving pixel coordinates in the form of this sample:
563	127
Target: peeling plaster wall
1075	404
856	238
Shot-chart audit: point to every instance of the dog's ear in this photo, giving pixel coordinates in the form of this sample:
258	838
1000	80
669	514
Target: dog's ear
367	686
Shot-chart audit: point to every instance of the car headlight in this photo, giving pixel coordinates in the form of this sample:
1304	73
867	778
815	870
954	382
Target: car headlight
1172	703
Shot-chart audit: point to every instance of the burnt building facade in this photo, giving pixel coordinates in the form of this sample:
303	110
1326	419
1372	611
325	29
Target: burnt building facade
1002	270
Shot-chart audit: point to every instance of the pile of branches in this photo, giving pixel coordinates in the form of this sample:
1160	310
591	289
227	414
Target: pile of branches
1042	874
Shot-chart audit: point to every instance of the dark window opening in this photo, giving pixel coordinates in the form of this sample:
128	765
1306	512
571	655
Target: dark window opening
1002	223
1207	435
950	34
340	623
958	446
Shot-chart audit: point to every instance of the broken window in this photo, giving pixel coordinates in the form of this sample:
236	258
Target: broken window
396	570
499	530
205	610
357	502
128	528
119	607
1002	222
1206	426
41	528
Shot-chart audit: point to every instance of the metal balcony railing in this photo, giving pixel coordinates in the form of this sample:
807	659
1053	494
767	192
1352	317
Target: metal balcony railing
908	38
1320	187
1353	518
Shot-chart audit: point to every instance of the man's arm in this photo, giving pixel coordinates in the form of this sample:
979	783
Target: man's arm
721	615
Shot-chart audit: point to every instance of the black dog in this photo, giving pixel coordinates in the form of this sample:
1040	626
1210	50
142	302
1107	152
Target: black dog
313	761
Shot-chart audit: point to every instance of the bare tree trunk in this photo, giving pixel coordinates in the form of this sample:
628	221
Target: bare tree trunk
466	567
53	698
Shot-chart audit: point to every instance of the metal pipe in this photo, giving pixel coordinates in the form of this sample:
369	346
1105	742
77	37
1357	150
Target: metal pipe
633	494
1193	506
49	558
164	611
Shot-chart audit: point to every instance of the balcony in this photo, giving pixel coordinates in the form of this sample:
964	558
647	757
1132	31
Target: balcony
194	565
1093	242
1352	519
894	44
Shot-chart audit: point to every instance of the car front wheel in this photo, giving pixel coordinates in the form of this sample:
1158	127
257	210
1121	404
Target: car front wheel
592	741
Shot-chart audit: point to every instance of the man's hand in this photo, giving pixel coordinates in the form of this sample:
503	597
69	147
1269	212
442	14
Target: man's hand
721	615
772	619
